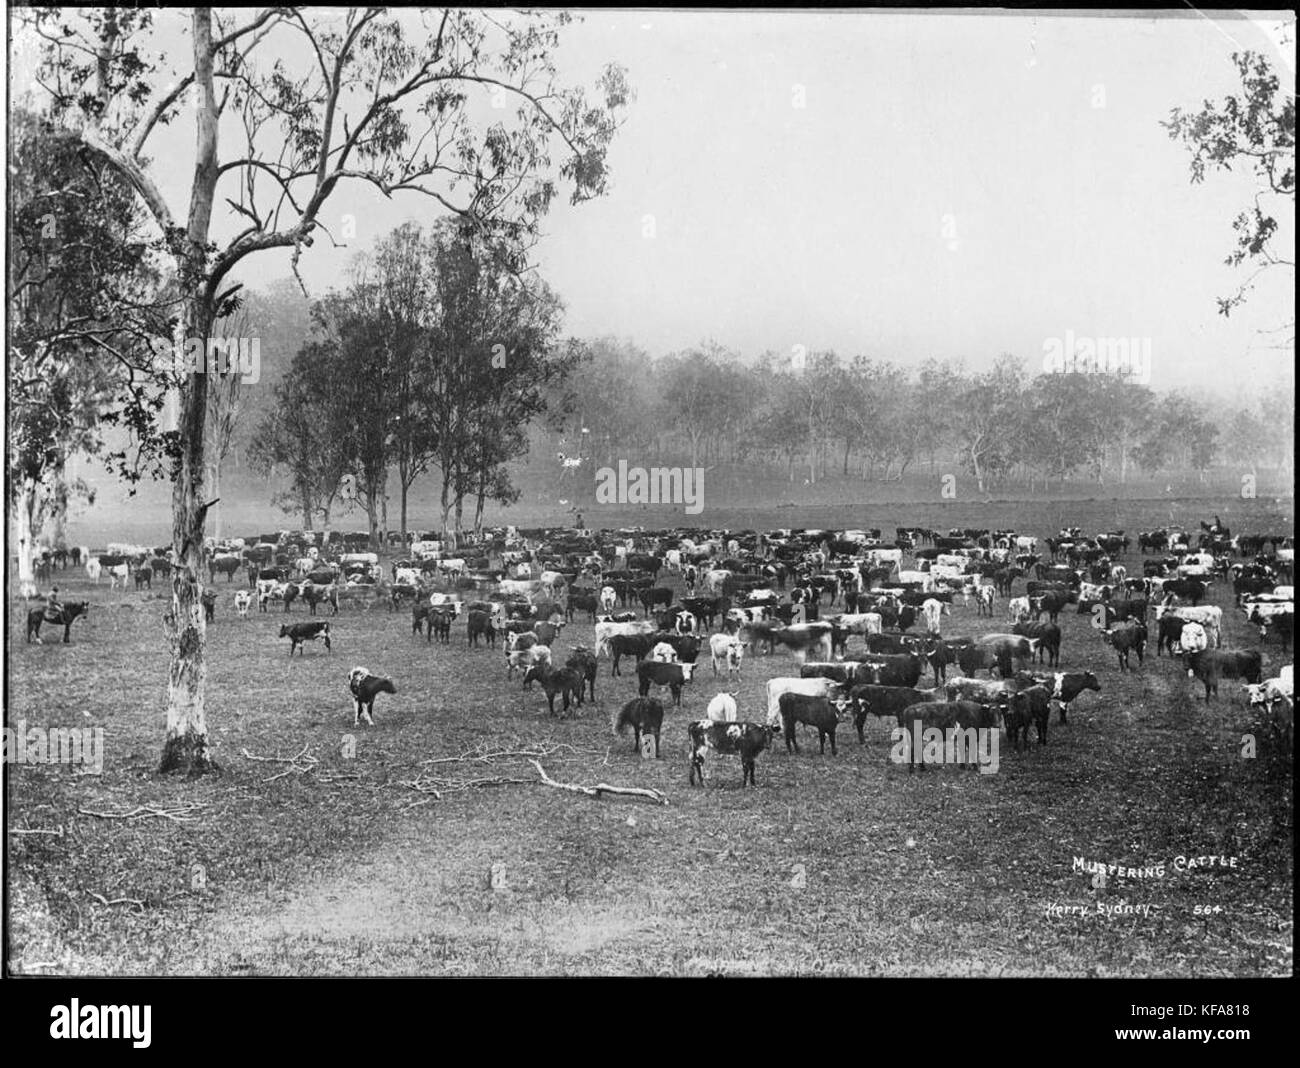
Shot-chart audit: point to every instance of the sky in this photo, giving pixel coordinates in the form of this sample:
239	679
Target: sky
898	185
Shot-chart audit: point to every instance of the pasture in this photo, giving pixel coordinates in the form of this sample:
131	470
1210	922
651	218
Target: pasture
343	863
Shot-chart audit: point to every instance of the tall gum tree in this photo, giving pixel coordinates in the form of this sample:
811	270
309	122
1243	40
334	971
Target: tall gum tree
388	101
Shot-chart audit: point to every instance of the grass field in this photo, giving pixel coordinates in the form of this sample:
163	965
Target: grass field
834	865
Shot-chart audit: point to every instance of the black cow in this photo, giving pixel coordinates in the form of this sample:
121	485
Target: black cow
745	739
636	645
645	715
655	673
583	661
816	712
208	599
653	596
1049	640
479	624
1131	635
882	701
315	594
1209	665
893	670
1029	705
565	681
365	688
1169	633
945	715
302	633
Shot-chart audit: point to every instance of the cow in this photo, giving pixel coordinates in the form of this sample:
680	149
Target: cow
945	716
674	676
302	633
1208	616
806	639
208	599
564	681
1126	637
1279	617
1048	636
1006	652
583	661
1209	665
985	598
883	701
365	687
653	596
1018	607
728	649
932	610
479	624
118	573
243	602
819	687
1025	706
1066	686
1169	633
1049	604
722	708
943	652
899	669
816	712
744	739
645	715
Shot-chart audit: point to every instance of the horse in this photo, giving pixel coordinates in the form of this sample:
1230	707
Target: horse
67	613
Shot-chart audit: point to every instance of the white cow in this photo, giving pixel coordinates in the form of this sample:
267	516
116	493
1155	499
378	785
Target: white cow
608	598
551	583
921	578
1208	616
932	610
664	653
1018	608
728	649
1193	638
118	573
243	601
722	709
94	568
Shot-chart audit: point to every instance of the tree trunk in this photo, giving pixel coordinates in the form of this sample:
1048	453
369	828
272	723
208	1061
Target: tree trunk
185	748
26	540
306	509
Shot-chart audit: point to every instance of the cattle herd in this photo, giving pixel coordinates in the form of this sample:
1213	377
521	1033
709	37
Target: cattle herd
859	617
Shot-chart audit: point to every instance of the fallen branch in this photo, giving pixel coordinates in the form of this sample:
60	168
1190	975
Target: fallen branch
179	813
135	902
57	832
482	754
300	764
600	788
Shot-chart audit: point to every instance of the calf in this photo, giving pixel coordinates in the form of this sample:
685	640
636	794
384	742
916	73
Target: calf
583	661
635	645
302	633
243	602
816	712
744	739
208	598
1131	635
563	681
144	577
365	688
809	687
479	624
1030	705
674	676
729	649
645	715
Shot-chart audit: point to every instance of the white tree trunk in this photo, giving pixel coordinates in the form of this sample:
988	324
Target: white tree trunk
25	540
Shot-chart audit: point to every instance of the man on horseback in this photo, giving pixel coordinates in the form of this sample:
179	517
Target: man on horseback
53	607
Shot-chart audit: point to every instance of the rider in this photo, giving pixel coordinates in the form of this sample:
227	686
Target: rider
53	608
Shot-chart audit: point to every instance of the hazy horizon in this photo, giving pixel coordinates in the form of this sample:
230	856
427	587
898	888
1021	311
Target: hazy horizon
901	186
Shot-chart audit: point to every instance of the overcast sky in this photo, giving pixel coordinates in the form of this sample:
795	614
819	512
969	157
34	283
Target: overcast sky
951	186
